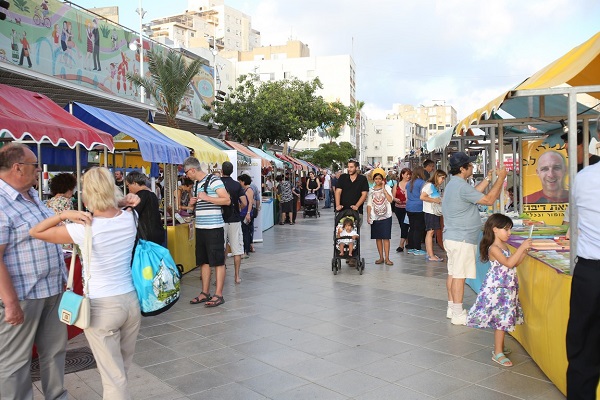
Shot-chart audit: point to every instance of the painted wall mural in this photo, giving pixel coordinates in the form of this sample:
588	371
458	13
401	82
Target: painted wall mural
60	40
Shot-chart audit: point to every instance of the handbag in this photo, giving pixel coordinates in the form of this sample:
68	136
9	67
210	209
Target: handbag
74	309
437	209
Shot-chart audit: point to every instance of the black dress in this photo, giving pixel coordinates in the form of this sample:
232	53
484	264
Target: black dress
150	225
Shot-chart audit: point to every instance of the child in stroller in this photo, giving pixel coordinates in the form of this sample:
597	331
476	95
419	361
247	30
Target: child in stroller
346	241
347	235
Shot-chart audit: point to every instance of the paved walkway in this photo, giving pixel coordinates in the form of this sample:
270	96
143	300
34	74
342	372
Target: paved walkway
293	330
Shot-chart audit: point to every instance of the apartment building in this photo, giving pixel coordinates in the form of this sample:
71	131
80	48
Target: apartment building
435	118
387	141
206	23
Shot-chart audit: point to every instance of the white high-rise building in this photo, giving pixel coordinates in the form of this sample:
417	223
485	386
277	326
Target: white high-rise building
436	117
388	141
202	23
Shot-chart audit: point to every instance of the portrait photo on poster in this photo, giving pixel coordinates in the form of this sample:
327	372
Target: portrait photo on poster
545	181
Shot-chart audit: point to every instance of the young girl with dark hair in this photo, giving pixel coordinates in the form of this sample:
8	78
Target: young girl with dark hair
497	305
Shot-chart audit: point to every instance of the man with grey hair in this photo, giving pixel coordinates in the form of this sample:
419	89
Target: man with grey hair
32	279
208	195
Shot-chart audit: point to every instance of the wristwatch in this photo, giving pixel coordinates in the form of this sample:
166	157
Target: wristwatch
487	178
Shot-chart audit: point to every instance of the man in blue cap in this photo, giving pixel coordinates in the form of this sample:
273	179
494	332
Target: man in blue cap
462	225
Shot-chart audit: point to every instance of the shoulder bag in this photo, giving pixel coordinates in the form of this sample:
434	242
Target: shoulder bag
74	309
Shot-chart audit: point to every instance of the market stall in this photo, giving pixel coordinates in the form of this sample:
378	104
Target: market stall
181	237
548	104
29	116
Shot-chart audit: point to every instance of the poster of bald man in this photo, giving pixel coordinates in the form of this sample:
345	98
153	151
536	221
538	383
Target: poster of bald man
545	181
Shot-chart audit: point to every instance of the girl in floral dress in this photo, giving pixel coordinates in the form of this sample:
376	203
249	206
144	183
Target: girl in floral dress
497	305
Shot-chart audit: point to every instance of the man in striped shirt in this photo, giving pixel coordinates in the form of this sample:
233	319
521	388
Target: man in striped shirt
32	279
210	238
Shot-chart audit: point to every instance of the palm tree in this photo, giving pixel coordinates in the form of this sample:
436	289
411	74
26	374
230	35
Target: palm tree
170	78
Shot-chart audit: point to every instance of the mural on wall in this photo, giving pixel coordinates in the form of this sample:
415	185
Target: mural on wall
57	39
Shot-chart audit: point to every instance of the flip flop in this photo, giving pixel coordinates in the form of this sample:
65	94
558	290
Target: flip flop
214	303
380	261
389	262
198	300
435	258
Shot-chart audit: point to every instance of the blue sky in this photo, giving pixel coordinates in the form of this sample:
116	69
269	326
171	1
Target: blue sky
465	52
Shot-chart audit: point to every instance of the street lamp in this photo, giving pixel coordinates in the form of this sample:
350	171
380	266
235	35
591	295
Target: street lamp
133	46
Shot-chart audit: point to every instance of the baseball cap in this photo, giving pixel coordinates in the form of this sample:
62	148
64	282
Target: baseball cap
459	159
565	136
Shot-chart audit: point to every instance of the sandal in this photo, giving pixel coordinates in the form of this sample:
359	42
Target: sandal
501	359
213	303
505	350
389	262
435	258
198	300
380	261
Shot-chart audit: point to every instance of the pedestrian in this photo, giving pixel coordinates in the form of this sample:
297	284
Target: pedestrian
284	189
400	206
32	279
351	190
246	212
414	210
313	184
462	226
150	226
497	305
115	315
208	197
583	328
233	224
432	209
327	189
379	215
428	167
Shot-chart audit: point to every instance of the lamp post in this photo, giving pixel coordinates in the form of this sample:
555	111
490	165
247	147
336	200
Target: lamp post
141	13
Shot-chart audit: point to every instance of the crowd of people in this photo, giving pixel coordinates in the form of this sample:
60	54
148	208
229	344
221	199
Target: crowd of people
32	268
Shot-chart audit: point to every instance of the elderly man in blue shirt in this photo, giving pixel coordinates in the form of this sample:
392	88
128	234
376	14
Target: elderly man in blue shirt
32	278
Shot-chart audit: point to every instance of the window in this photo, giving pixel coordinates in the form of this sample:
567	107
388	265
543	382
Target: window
440	127
287	75
390	159
432	126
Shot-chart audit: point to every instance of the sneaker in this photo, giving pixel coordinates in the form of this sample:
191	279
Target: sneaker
449	313
419	253
460	319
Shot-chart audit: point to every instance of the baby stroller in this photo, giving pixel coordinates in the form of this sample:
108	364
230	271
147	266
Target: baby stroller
311	206
336	261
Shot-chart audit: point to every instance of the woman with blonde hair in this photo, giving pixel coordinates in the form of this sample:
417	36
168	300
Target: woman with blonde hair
115	311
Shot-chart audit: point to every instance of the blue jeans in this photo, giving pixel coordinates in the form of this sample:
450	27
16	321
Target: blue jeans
327	198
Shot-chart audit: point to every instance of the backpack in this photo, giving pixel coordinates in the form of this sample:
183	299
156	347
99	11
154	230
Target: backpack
155	276
227	210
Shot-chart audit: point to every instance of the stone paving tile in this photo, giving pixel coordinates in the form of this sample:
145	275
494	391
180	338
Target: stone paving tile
293	330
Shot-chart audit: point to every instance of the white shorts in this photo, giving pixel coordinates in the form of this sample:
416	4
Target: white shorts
235	238
461	259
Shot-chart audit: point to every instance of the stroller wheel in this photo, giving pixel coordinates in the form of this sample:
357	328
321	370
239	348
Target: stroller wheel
362	266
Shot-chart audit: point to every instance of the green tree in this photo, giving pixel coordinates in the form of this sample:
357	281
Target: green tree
170	78
274	111
329	155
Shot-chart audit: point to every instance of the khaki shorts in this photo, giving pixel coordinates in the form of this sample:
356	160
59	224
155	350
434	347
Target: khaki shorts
461	259
234	236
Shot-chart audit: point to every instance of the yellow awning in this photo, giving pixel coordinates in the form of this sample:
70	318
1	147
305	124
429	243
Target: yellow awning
203	151
579	67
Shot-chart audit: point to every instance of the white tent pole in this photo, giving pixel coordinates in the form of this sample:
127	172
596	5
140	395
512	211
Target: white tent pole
520	175
572	153
515	167
78	169
41	174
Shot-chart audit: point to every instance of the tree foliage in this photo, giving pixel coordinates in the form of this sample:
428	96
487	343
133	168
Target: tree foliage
275	111
329	155
170	78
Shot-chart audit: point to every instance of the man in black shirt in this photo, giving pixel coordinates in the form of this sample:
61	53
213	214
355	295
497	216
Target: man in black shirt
351	190
233	225
593	158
